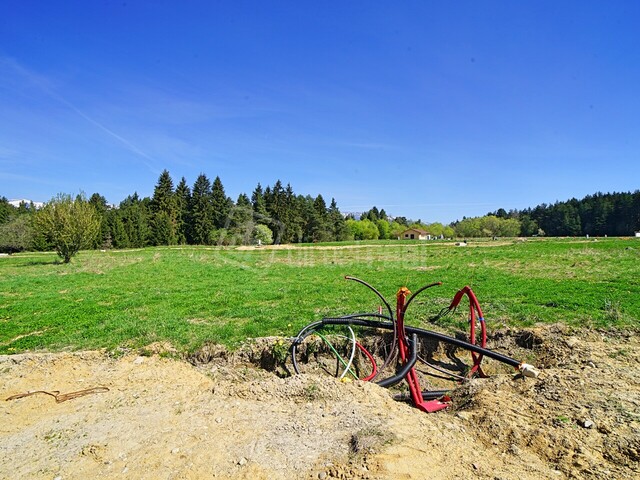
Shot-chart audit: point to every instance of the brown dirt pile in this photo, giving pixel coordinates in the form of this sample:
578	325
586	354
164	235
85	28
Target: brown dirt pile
165	418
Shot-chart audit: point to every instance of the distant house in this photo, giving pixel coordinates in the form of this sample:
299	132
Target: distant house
637	234
415	234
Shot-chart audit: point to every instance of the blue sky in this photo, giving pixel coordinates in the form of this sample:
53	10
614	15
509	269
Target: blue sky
431	110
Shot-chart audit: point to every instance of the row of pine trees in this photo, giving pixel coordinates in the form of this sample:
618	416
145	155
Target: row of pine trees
600	214
204	215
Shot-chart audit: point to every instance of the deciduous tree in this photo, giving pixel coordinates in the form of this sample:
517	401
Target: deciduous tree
16	235
69	224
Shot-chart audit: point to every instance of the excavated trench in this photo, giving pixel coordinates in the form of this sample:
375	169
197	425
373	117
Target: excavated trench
240	414
580	416
273	354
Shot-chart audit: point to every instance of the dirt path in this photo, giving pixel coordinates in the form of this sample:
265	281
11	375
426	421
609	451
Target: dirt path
164	418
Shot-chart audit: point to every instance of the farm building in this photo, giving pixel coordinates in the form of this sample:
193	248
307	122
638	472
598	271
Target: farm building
637	234
415	234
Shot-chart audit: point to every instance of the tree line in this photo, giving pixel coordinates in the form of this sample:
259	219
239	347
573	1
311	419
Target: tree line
202	214
600	214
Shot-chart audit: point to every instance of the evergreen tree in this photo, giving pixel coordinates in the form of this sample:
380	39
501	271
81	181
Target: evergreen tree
291	217
602	210
635	212
528	227
274	200
25	208
163	229
118	234
201	211
373	215
501	213
135	215
320	228
597	214
221	205
6	210
306	208
241	223
275	203
402	221
164	210
622	217
183	200
338	225
102	208
258	203
569	221
163	199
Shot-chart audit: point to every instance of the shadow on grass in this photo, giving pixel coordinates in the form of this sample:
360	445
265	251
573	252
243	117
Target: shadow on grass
41	262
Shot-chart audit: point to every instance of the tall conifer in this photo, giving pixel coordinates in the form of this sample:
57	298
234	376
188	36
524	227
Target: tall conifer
201	211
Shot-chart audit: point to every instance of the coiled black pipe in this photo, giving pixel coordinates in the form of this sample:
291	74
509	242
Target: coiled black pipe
410	330
398	377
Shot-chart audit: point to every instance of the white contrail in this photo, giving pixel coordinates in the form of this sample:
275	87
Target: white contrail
126	142
36	80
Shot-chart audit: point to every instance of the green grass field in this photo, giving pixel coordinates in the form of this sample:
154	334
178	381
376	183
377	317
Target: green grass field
189	295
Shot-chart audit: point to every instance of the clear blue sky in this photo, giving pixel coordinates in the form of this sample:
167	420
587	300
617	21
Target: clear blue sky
431	110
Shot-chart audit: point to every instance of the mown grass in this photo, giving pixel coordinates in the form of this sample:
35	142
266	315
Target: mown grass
195	294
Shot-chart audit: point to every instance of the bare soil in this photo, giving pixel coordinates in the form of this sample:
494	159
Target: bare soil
225	417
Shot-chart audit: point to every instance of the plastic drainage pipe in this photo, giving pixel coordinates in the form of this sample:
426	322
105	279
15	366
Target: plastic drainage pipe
425	333
411	361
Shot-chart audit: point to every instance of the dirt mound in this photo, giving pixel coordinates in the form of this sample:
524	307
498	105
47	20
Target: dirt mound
226	418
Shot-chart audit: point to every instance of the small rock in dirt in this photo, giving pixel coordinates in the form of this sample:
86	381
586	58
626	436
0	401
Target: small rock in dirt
475	466
590	364
571	342
175	450
242	461
515	450
586	423
138	361
322	475
218	419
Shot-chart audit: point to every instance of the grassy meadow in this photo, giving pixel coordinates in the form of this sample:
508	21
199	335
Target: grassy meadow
190	295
